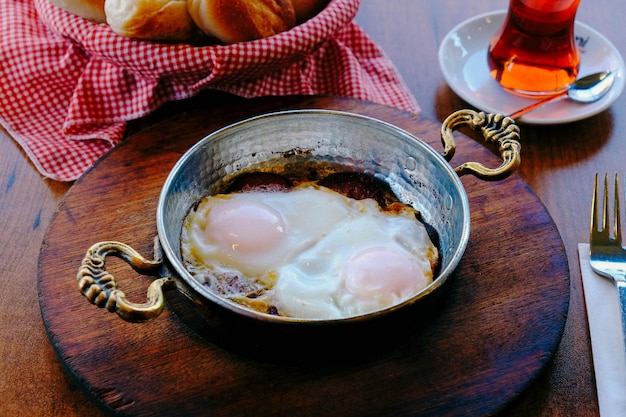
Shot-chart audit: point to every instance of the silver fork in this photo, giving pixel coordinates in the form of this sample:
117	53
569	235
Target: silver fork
607	256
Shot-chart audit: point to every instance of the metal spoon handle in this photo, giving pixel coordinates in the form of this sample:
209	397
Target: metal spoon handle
537	105
589	89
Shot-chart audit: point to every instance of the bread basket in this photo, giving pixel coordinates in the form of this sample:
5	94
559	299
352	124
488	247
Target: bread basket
181	70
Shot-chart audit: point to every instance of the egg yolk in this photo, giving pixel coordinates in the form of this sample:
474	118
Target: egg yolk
383	271
247	228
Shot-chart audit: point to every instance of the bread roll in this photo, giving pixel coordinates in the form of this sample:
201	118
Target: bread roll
156	20
306	9
233	21
88	9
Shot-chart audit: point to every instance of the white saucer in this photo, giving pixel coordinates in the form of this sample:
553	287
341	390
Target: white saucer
463	61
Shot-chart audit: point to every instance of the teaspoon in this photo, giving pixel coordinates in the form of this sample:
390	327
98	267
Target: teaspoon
584	90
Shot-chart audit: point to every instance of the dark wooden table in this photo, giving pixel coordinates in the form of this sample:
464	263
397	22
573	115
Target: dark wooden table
558	164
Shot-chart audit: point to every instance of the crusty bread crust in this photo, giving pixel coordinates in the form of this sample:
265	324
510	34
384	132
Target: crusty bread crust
158	20
88	9
242	20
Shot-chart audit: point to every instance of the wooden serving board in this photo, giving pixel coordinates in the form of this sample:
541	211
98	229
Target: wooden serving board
498	327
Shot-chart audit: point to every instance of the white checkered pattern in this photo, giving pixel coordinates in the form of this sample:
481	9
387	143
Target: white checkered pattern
68	86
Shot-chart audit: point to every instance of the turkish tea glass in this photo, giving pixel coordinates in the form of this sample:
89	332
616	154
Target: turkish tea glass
535	53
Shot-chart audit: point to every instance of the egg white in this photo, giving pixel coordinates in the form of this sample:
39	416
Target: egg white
309	253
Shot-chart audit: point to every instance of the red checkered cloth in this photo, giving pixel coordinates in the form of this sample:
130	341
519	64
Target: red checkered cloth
69	86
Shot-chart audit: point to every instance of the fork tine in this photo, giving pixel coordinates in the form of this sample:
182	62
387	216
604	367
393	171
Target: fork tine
607	232
605	205
617	230
594	207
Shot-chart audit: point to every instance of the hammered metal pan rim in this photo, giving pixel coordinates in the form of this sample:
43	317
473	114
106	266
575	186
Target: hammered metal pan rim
224	132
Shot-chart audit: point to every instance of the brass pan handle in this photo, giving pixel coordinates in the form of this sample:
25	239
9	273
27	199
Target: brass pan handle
495	128
100	288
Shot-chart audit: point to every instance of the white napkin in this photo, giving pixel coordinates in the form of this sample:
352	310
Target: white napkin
607	342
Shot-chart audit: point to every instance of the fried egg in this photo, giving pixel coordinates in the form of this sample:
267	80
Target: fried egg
309	252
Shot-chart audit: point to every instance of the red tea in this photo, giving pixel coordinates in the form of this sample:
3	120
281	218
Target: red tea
535	52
